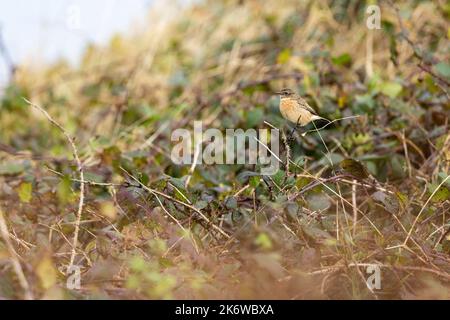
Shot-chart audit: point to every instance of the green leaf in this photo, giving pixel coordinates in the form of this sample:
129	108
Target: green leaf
254	181
178	182
300	161
440	195
284	56
318	202
292	209
252	89
137	264
263	241
157	246
390	202
391	89
301	182
231	203
278	177
254	117
11	168
201	204
316	233
354	167
443	68
91	90
90	176
12	98
25	192
442	176
335	158
342	60
64	190
364	103
398	164
244	175
393	49
46	272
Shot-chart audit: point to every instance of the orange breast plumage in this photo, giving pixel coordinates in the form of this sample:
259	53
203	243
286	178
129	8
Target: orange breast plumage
291	111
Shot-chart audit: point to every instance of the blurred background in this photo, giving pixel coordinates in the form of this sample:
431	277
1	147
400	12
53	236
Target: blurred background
45	31
119	77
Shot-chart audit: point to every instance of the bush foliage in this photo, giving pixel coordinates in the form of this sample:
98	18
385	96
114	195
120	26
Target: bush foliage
151	229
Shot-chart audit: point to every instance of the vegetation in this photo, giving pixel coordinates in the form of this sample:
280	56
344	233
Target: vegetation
92	184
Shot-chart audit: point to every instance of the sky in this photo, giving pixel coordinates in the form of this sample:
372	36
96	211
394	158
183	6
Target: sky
46	30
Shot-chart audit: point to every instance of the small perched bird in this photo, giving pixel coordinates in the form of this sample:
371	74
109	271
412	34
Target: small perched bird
295	109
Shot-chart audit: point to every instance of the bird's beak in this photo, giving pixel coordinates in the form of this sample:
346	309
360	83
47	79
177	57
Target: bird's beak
277	92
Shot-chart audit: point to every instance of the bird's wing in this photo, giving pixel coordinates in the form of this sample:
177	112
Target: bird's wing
302	102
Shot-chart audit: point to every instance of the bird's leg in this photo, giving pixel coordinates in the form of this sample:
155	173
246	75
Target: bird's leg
298	122
291	135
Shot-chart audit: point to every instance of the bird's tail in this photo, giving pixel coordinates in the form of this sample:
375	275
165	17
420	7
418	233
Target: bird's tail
315	117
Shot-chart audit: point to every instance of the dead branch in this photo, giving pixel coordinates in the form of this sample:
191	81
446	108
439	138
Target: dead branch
80	169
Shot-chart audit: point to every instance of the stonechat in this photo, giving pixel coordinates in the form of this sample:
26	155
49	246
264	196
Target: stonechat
295	109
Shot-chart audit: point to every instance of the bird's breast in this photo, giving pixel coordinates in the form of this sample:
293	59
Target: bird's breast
291	111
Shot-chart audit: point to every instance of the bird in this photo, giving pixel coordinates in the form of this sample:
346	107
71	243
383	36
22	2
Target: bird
295	109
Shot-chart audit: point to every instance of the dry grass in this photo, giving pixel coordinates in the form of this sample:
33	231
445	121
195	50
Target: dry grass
148	228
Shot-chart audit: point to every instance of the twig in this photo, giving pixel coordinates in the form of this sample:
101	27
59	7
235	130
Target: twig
180	193
154	191
340	197
194	164
241	190
80	169
177	222
427	69
14	259
423	208
422	64
155	135
270	151
441	238
323	184
329	122
355	211
440	229
405	148
320	182
405	268
341	178
288	154
328	156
